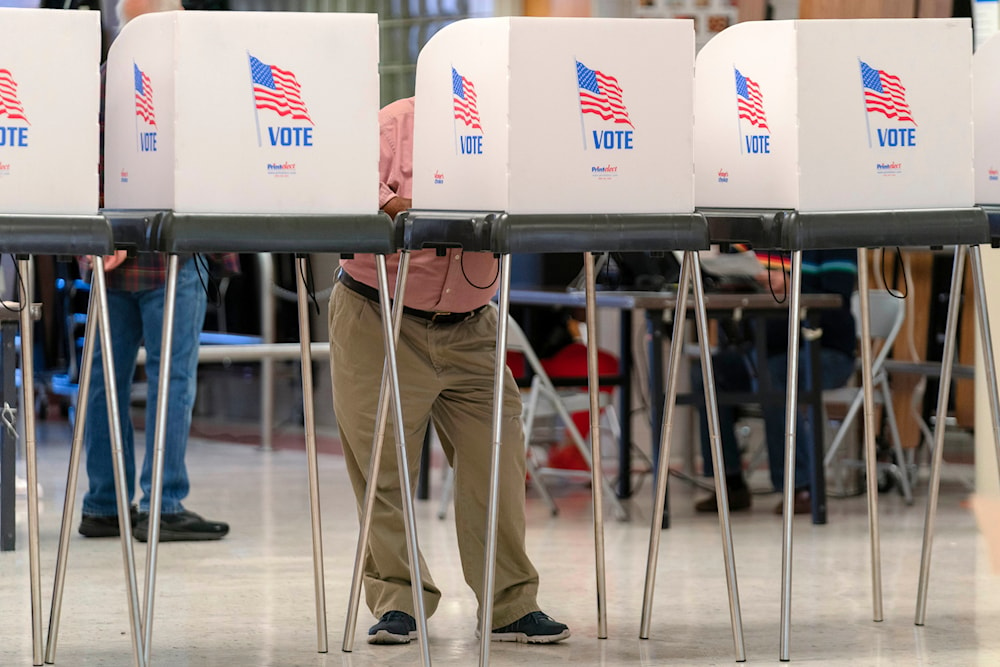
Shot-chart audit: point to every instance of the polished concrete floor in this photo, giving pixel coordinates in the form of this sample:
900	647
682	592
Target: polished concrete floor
249	599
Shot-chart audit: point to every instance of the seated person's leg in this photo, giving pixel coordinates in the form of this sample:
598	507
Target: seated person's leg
731	374
836	369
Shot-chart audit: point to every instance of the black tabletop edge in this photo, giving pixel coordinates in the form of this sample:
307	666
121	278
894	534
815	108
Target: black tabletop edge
502	233
788	230
180	233
993	214
36	234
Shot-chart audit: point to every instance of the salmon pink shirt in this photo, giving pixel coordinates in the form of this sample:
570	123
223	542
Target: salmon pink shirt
457	282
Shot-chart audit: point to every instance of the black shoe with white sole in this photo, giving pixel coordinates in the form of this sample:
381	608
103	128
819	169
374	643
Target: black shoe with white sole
395	627
533	628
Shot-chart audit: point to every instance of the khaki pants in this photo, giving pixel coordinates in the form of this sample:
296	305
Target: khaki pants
446	374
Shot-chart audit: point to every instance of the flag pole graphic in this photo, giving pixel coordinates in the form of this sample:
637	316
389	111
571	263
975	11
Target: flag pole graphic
454	130
253	95
739	124
579	104
864	104
136	115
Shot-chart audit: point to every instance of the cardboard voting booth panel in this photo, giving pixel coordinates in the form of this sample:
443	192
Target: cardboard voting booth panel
243	112
546	116
835	115
49	105
986	117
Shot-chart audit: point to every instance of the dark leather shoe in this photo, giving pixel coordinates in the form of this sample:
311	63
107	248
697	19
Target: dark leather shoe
92	525
183	526
802	503
739	499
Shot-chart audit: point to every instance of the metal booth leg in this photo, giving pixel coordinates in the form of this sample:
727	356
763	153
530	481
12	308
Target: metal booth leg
735	617
381	420
791	406
309	419
690	265
663	470
28	405
486	611
98	324
412	547
265	279
946	373
156	490
944	388
72	476
871	462
596	463
389	390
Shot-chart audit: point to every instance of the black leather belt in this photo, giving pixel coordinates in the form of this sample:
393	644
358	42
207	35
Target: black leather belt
371	294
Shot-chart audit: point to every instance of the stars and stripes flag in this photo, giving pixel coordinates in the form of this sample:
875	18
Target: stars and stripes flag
278	90
143	96
600	94
10	105
463	94
750	102
885	94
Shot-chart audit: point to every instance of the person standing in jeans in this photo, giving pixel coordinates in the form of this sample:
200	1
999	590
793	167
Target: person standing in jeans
136	291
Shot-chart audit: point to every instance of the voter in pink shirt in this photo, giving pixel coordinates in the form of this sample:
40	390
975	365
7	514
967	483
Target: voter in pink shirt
446	356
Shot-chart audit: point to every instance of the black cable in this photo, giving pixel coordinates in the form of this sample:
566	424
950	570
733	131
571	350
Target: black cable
902	268
208	282
307	279
464	275
20	282
784	277
614	280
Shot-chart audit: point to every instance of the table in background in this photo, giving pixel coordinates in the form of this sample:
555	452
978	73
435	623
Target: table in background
759	305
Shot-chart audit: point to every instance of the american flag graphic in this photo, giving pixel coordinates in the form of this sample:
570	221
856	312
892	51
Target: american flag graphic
750	102
600	94
10	105
463	94
143	96
278	90
885	94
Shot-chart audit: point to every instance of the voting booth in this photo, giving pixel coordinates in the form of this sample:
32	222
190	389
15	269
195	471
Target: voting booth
49	138
986	96
556	115
838	115
49	104
243	112
537	135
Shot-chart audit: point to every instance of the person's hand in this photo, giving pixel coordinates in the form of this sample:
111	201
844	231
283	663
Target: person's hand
397	205
773	280
115	260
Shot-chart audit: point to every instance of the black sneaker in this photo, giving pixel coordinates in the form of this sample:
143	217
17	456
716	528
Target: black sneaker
533	628
183	526
92	525
395	627
739	499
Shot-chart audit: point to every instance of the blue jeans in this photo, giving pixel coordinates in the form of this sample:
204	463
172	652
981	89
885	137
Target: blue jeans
735	371
136	316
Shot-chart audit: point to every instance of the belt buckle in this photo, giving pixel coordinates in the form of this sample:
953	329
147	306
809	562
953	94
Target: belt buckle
435	316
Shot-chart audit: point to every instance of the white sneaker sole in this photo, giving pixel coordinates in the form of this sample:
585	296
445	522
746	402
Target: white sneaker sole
522	638
386	637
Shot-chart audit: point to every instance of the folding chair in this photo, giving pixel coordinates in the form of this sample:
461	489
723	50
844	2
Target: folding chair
887	313
543	400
